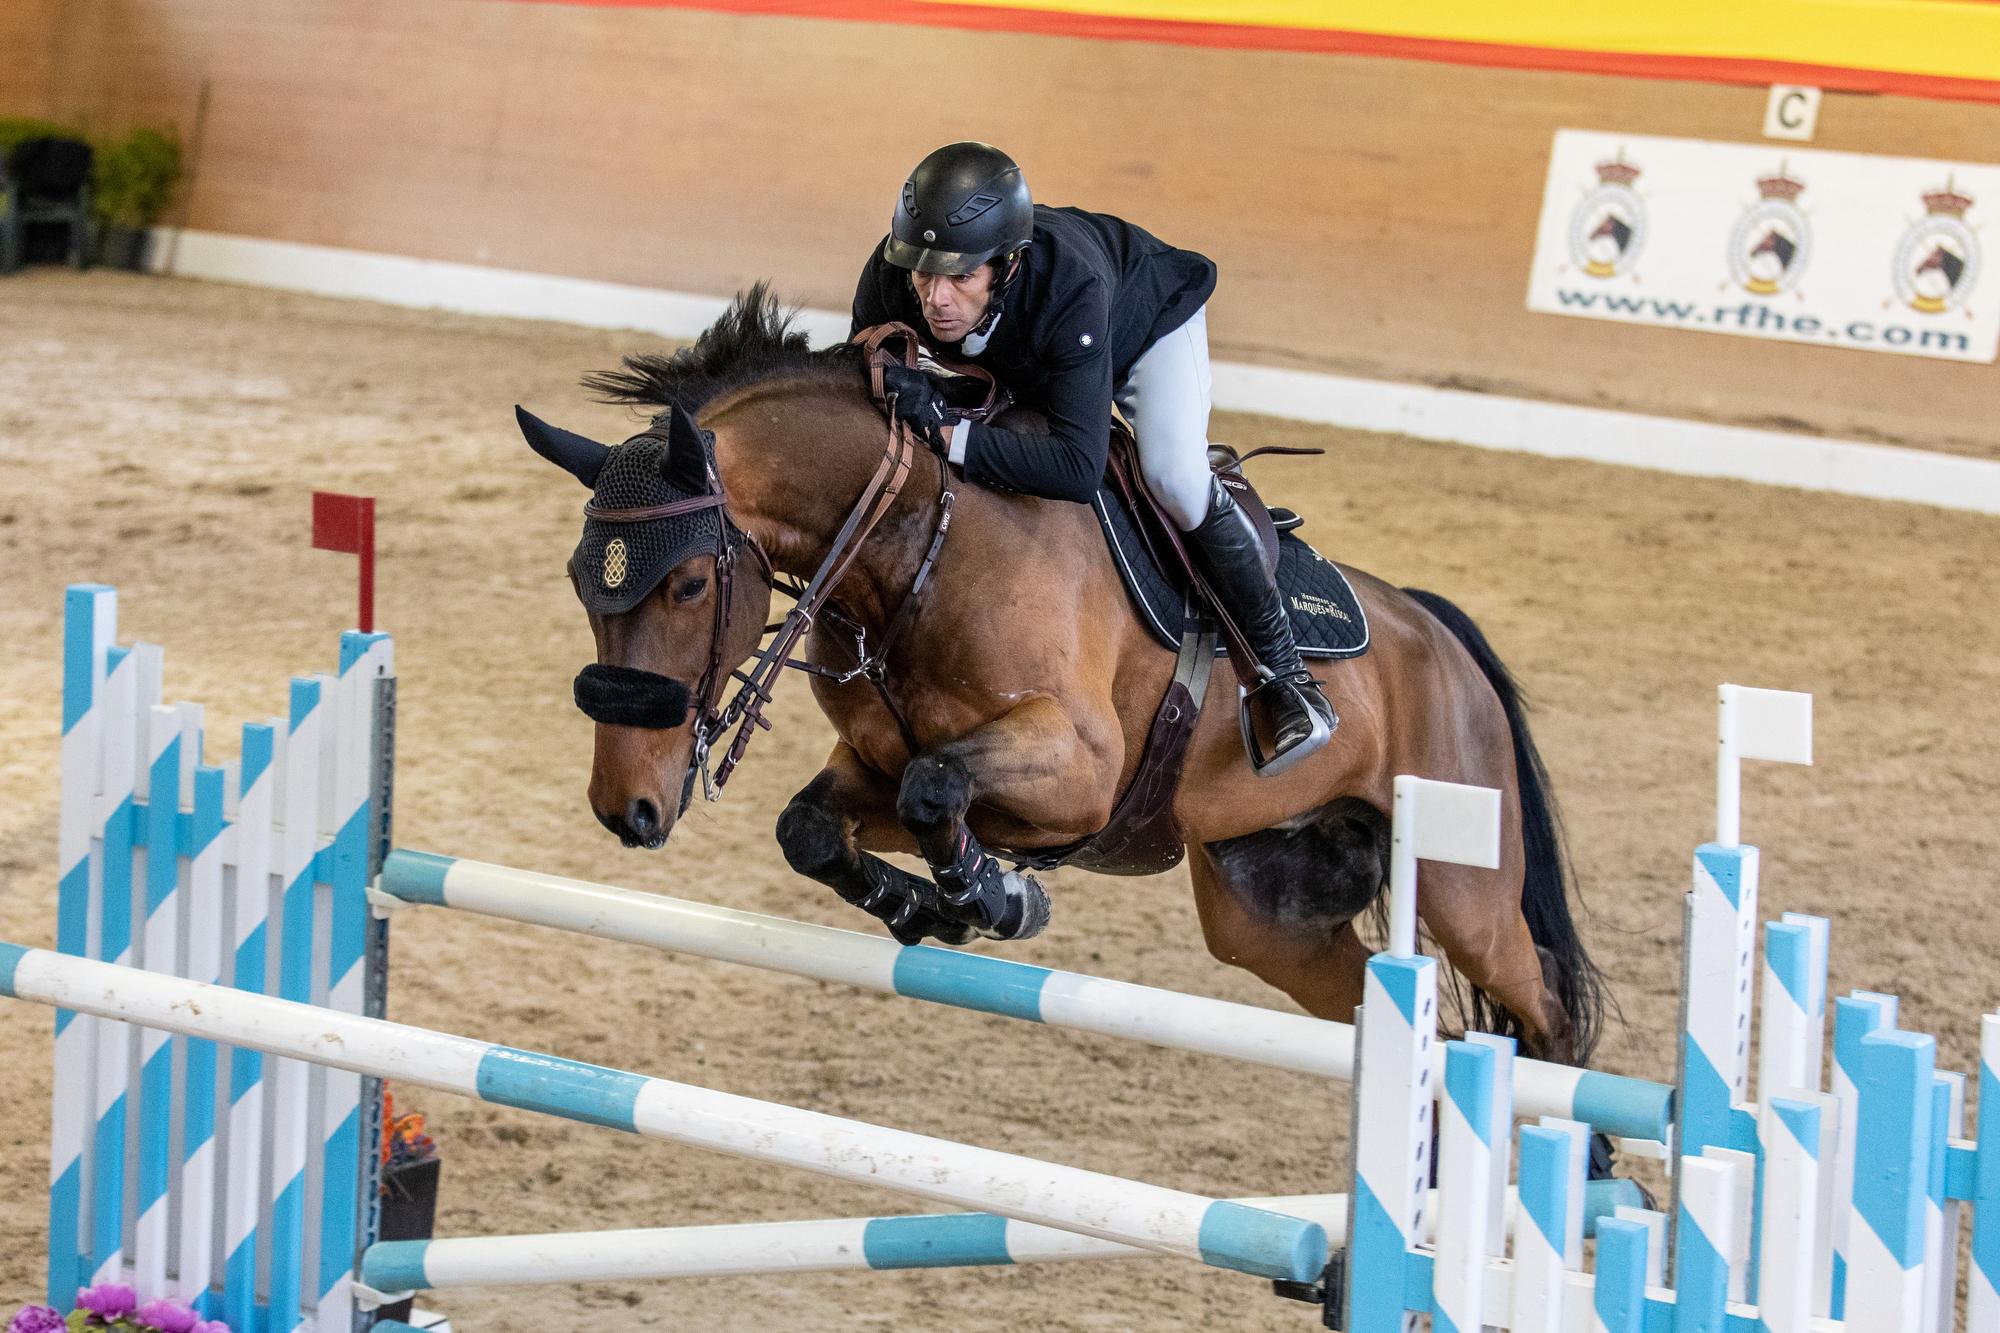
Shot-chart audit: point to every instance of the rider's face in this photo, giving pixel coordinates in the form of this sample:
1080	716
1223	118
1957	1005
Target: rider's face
953	306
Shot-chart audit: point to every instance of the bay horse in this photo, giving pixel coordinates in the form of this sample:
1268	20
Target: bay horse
1017	692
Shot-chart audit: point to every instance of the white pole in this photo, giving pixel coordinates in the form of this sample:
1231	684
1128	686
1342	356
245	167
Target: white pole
1625	1107
1223	1234
933	1240
1728	771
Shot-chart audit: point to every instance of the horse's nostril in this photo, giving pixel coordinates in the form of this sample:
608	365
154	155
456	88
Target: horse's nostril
642	821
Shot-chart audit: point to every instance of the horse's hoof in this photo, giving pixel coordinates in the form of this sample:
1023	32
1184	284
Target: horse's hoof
1024	913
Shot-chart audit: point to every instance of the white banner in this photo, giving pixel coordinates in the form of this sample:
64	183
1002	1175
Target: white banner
1883	254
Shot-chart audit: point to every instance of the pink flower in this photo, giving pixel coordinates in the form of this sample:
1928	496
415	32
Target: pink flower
108	1300
210	1326
37	1319
167	1317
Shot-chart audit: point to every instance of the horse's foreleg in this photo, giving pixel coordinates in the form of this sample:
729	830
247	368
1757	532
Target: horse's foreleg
1028	767
823	831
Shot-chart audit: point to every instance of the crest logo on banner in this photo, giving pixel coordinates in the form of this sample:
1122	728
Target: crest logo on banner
1937	261
1771	243
1607	230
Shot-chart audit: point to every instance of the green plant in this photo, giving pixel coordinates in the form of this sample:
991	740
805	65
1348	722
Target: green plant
135	178
14	129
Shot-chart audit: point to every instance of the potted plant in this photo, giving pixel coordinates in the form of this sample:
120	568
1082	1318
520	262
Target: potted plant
134	182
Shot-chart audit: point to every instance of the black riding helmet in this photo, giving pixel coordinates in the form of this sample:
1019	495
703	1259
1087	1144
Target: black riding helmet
965	204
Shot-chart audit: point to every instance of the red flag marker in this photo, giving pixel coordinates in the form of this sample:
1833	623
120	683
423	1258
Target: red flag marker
346	523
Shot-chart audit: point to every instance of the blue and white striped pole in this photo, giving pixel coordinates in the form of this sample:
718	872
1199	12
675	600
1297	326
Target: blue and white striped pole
1704	1240
255	792
1397	1041
1789	1217
290	1081
1216	1232
90	629
1625	1107
201	1094
167	738
1618	1294
1885	1273
365	659
1855	1017
1463	1210
1983	1283
1541	1230
1720	967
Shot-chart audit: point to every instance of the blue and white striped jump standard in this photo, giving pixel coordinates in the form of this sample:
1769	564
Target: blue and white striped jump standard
1216	1232
1627	1107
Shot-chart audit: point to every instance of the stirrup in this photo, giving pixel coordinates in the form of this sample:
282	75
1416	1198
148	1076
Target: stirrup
1270	766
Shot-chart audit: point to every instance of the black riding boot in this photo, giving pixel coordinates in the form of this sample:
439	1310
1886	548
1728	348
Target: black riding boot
1230	556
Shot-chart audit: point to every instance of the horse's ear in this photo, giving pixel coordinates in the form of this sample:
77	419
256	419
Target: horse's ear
582	458
686	465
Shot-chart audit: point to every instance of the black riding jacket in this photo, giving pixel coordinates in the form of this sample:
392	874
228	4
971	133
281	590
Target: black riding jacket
1092	294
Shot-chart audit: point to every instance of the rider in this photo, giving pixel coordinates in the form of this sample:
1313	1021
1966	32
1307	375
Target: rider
1073	311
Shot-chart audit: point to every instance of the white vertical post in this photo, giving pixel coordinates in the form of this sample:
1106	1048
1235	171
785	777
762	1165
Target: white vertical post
1465	1186
1656	1240
1790	1214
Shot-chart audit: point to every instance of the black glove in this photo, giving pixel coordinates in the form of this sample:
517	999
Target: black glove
915	398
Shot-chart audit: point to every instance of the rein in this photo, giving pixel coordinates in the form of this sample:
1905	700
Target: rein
745	710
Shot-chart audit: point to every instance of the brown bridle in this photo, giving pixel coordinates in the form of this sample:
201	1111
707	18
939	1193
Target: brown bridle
745	710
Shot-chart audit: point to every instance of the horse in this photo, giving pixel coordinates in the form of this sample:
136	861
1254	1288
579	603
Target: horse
1009	708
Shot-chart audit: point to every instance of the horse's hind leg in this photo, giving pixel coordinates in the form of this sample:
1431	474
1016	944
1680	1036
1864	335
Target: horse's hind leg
1281	903
822	832
1475	918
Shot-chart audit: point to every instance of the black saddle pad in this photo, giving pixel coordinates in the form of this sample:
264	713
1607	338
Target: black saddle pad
1327	618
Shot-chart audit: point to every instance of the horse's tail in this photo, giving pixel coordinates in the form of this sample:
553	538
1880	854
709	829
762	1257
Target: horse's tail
1545	882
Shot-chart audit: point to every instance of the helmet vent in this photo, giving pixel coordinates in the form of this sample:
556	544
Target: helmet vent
910	199
972	208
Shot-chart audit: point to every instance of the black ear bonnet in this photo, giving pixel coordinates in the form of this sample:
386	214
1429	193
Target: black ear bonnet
617	564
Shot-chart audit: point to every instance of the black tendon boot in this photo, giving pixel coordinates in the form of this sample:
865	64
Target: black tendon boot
1301	717
1000	904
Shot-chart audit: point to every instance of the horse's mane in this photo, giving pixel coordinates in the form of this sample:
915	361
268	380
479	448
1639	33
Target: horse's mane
753	341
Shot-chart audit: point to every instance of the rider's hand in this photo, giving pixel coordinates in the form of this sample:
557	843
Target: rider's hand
914	397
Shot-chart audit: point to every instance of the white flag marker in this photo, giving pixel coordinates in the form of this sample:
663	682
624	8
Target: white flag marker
1771	725
1435	821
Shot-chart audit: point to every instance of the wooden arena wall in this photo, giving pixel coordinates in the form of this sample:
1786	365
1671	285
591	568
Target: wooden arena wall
1371	216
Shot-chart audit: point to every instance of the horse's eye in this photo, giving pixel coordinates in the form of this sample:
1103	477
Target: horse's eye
691	589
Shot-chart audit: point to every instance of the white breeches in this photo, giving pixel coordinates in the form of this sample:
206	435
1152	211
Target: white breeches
1166	399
